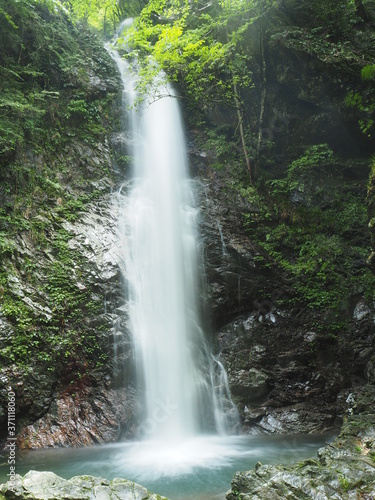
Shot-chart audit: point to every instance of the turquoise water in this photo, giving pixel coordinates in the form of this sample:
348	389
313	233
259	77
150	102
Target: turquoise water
199	469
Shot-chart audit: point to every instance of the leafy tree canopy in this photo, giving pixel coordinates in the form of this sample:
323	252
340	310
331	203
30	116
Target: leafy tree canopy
104	15
200	45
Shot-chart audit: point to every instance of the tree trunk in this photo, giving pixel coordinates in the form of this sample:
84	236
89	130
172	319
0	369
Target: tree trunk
361	11
263	94
104	22
240	124
242	134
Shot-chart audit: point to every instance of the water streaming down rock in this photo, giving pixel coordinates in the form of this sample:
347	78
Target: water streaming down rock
223	246
186	390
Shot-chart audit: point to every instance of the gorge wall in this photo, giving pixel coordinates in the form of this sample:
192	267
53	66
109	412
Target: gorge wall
288	291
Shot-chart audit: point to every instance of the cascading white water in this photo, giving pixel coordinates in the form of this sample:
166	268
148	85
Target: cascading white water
183	383
186	387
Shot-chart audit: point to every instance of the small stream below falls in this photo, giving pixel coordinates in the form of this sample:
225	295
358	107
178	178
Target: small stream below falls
195	469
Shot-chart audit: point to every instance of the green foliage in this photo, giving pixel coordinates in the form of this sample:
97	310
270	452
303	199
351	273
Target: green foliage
319	43
365	102
77	106
44	77
103	15
344	482
318	241
48	111
332	32
53	331
316	157
8	18
312	164
198	47
368	72
219	144
339	17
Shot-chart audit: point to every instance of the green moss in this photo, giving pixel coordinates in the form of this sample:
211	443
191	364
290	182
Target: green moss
320	243
345	483
45	80
54	121
58	334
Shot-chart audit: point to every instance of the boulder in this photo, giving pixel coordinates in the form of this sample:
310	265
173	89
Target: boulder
49	486
341	471
253	383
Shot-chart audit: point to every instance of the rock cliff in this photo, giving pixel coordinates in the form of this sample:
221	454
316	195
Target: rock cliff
294	340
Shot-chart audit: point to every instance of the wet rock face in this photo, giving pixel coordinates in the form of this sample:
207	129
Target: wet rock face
92	415
259	351
42	485
313	481
277	376
286	377
252	384
232	277
370	370
72	405
99	406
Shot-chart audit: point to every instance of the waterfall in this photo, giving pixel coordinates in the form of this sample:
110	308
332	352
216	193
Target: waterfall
186	390
223	246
